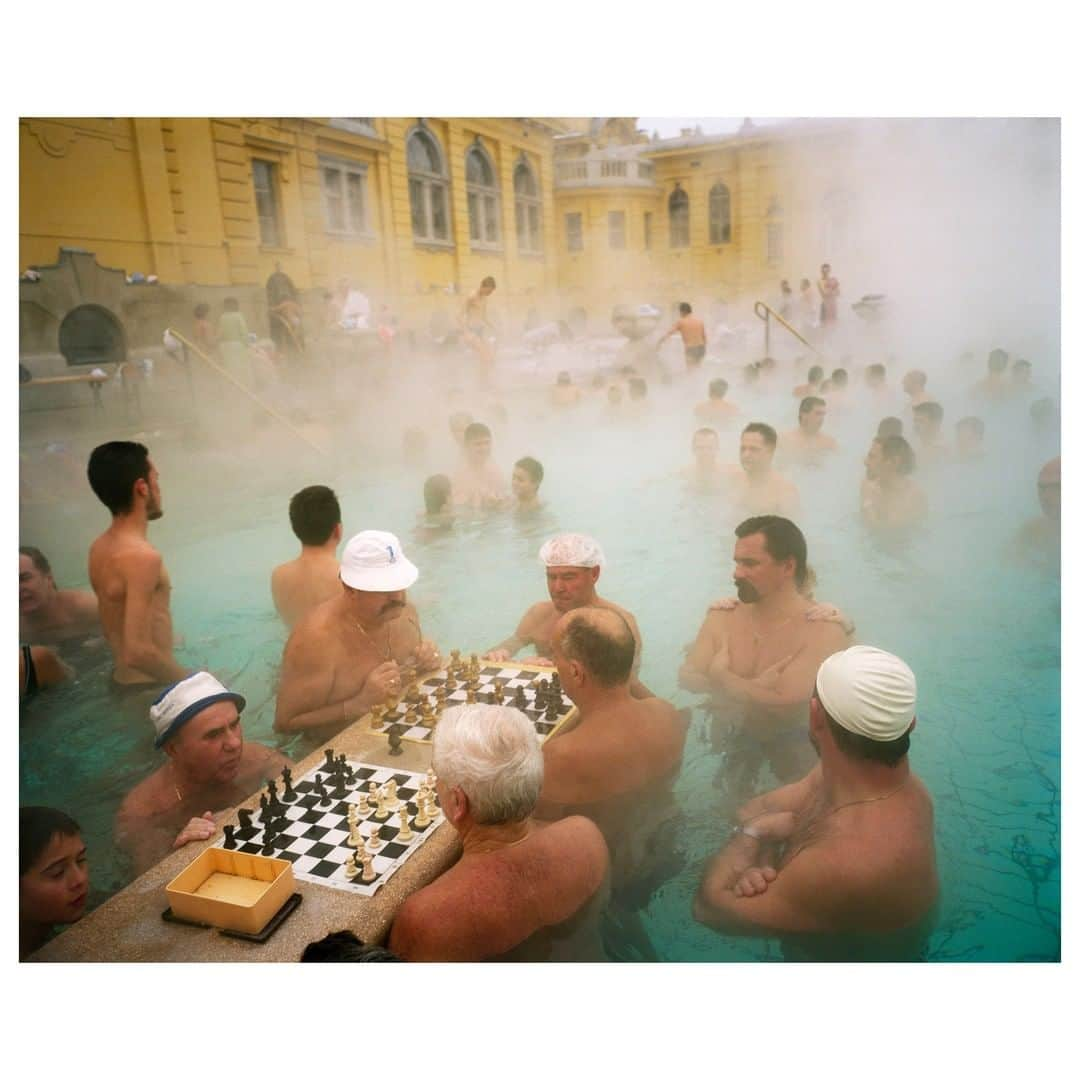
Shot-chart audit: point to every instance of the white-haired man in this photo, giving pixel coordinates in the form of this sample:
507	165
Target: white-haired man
521	890
355	650
840	864
573	562
209	769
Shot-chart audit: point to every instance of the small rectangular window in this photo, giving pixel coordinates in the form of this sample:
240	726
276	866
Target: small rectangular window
616	223
574	239
344	197
264	177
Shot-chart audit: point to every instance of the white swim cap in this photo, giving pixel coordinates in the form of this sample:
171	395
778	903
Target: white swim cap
572	549
868	691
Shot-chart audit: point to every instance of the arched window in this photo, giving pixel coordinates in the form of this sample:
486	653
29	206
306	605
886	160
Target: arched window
719	214
526	208
679	218
428	194
774	232
483	194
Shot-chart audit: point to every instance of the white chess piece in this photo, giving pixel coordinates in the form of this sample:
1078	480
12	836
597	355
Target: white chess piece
350	867
369	870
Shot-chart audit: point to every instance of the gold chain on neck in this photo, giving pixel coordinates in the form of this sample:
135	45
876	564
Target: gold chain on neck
872	798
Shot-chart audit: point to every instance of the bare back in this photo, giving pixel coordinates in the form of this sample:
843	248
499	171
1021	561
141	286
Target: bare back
301	585
692	331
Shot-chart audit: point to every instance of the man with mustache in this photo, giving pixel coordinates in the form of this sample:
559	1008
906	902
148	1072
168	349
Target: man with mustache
358	649
758	660
210	768
128	574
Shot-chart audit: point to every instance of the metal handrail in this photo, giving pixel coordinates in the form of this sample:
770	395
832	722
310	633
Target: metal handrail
761	307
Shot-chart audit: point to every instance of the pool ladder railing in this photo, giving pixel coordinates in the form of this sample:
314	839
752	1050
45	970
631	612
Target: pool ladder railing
767	315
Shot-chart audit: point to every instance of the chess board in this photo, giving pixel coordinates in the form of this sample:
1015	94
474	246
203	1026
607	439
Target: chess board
508	675
314	840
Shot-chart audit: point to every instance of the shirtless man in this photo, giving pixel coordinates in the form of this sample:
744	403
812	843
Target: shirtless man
521	890
479	483
358	649
564	393
1041	537
127	573
618	763
525	483
716	410
706	474
848	849
829	291
994	386
48	615
476	331
758	661
927	419
210	768
312	577
807	443
692	331
573	564
890	498
814	378
914	385
970	436
755	487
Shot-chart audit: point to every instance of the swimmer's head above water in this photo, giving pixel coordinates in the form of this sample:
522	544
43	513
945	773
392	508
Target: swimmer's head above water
573	562
770	556
124	478
757	445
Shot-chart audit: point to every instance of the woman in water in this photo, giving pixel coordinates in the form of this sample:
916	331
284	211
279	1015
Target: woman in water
53	878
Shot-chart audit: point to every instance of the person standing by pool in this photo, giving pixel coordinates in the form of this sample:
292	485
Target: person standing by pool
358	649
233	341
572	562
692	331
542	885
127	573
758	660
210	768
848	850
756	488
48	615
53	878
312	577
476	330
829	289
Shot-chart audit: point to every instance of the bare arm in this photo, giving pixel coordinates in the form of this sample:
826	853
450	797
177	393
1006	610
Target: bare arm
142	574
517	641
693	675
789	797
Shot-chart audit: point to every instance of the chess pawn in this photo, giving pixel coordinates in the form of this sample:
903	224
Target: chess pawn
405	834
431	778
376	717
363	807
423	818
440	698
350	867
455	659
369	870
470	696
373	842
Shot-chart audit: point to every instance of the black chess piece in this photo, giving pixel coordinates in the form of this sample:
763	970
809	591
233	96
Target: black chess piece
271	793
328	764
245	818
287	793
230	840
395	741
263	804
268	843
556	683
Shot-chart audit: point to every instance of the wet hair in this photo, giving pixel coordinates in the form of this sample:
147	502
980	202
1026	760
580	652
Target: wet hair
973	424
998	360
861	748
605	651
112	471
477	431
638	387
839	377
764	430
436	492
808	404
815	374
37	826
891	425
685	308
876	370
37	557
532	467
783	540
231	304
708	431
314	512
931	410
718	388
344	947
897	448
201	311
487	283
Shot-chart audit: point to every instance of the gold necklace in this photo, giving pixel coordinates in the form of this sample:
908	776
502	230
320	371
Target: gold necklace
374	643
872	798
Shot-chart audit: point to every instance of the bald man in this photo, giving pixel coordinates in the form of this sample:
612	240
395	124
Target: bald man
617	765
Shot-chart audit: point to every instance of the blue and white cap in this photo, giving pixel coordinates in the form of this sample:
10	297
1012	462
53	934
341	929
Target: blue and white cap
374	562
185	699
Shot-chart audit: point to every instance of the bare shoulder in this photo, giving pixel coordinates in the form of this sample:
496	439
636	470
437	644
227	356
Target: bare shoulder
826	634
579	834
537	614
144	800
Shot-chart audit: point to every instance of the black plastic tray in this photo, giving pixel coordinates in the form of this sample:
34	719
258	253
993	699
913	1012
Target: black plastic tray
264	934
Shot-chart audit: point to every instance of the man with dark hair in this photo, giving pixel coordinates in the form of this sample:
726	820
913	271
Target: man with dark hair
312	577
344	947
438	513
716	410
525	483
914	385
476	330
127	574
756	488
692	331
807	443
970	431
994	386
875	380
618	764
1020	378
889	497
479	483
927	419
814	378
705	474
840	865
890	426
758	660
48	615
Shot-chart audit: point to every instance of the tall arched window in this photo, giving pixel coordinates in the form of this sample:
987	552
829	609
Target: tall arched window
719	214
526	207
428	189
483	194
679	218
774	232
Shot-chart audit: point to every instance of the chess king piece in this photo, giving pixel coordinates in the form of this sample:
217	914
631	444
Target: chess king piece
350	867
369	870
405	834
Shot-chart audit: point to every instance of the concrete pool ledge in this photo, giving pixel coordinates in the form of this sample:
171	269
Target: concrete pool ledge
129	928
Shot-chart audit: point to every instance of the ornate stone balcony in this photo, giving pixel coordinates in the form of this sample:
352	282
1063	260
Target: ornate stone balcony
604	170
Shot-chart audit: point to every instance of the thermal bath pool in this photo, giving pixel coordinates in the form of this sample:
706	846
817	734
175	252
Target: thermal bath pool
981	630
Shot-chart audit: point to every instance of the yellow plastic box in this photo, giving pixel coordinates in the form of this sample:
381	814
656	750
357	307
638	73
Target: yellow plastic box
231	889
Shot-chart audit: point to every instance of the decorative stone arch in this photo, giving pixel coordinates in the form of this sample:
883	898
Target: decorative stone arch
92	335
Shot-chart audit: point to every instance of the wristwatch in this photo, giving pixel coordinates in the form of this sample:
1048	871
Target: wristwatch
746	830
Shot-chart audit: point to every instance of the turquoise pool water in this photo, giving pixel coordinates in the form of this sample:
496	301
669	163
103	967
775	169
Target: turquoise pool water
980	627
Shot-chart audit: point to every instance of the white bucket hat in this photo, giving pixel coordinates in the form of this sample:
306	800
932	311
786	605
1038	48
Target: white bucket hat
374	562
185	699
